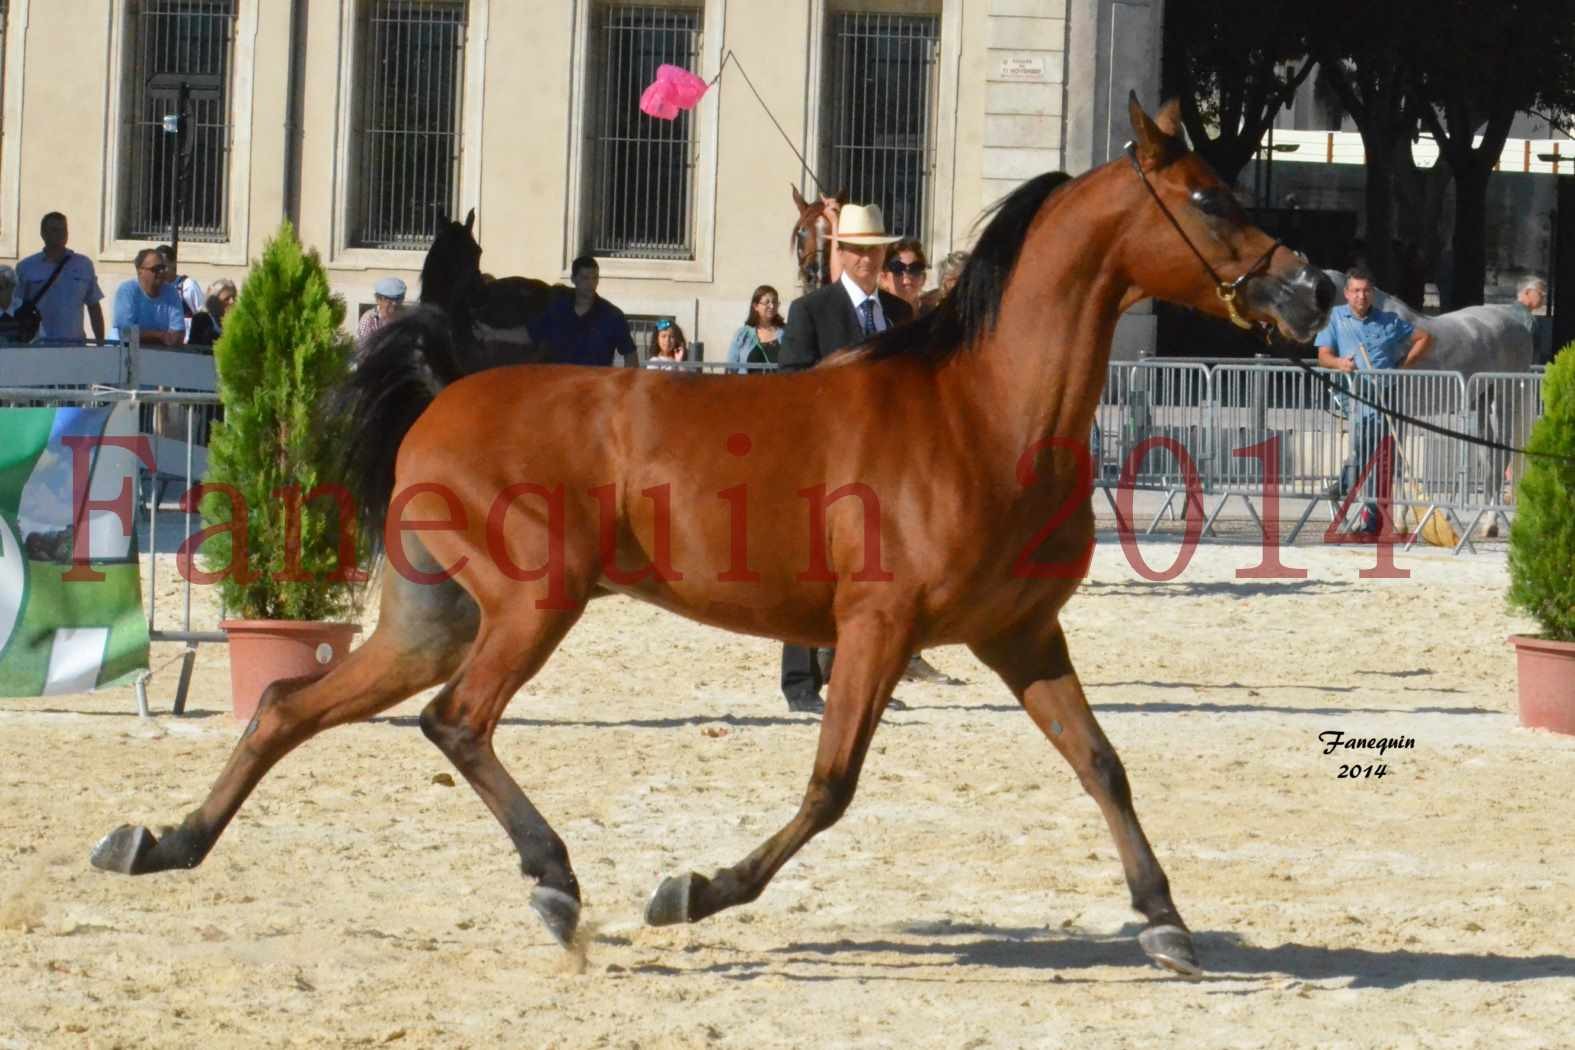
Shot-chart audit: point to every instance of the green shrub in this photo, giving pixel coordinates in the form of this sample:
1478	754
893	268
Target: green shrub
1542	538
281	352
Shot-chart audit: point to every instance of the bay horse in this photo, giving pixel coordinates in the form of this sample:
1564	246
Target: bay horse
536	488
810	240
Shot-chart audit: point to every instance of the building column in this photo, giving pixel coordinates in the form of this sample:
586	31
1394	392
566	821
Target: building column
1113	47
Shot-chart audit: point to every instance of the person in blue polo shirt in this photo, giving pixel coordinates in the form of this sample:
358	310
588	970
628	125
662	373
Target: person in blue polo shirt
150	303
584	330
1360	338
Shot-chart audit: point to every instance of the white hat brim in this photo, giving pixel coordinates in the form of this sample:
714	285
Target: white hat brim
866	238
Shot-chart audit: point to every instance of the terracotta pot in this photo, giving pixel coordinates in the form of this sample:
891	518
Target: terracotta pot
1546	671
265	651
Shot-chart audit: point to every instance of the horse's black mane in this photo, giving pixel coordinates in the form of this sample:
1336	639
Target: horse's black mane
970	311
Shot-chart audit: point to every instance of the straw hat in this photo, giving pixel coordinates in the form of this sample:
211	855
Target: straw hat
863	224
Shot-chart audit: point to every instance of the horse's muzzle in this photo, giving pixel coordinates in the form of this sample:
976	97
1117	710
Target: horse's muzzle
1299	302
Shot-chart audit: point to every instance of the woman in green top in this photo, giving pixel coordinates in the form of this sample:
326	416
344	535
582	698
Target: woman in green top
760	338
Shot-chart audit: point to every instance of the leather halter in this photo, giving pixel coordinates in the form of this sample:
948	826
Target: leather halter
1226	290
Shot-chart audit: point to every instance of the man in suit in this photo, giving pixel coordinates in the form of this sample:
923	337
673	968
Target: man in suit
844	313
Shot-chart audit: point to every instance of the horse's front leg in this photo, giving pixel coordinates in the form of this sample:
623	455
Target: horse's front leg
1036	667
871	654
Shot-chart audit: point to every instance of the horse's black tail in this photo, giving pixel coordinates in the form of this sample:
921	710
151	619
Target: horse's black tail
398	373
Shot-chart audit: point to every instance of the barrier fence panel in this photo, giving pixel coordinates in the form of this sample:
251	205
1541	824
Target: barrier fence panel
1500	406
176	399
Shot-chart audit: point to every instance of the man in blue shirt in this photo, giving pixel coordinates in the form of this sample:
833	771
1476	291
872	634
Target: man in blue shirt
1360	338
150	303
587	329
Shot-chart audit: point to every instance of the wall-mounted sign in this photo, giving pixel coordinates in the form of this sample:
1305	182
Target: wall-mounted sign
1021	67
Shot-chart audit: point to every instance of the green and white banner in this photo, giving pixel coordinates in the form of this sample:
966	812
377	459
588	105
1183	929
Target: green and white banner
60	635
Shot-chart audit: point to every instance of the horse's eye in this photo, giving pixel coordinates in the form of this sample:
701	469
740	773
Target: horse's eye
1217	203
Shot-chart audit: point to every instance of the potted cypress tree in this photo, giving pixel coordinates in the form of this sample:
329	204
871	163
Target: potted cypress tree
279	537
1542	557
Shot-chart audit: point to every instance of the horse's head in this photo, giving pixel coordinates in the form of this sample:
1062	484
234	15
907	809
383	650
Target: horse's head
453	261
1194	245
811	239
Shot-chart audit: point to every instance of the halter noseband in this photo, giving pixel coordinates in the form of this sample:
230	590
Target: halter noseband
1226	290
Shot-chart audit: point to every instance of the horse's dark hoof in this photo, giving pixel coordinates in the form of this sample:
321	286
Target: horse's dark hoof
673	902
124	850
559	911
1171	947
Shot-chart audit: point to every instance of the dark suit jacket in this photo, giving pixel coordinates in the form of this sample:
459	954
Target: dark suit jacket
824	321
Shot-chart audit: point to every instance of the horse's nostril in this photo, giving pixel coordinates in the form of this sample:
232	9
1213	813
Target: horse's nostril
1323	289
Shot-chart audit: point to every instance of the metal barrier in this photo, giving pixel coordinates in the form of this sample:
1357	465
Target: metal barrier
175	392
1500	406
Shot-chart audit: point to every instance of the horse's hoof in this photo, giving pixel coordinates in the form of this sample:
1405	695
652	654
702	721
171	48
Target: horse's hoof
1171	947
124	850
559	911
673	901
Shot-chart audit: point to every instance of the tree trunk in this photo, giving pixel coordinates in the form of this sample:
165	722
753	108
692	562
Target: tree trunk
1471	234
1380	216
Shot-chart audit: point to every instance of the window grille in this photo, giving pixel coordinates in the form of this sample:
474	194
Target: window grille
641	199
880	114
406	138
171	41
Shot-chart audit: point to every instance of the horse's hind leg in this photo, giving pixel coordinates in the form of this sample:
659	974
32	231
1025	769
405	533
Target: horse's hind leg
421	637
461	719
1036	667
871	655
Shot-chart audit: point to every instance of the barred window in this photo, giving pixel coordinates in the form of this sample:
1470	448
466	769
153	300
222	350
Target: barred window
640	201
407	121
879	114
174	42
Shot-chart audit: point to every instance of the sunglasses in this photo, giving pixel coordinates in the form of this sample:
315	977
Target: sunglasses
913	269
663	325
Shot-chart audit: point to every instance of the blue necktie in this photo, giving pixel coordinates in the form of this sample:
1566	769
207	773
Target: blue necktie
867	316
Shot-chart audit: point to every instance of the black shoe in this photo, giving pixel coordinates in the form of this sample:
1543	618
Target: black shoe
893	704
807	704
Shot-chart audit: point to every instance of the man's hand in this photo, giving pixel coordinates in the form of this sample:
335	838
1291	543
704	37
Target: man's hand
1333	361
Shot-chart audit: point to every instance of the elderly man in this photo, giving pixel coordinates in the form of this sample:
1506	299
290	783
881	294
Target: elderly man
9	301
1532	297
149	303
844	313
388	295
1360	338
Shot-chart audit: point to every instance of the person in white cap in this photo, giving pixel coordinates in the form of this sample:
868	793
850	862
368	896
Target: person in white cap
388	295
849	311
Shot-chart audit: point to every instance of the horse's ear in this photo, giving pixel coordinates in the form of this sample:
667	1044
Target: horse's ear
1155	148
470	219
798	199
441	214
1168	119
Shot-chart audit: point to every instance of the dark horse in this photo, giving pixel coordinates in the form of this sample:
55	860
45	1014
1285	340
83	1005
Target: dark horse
980	539
488	318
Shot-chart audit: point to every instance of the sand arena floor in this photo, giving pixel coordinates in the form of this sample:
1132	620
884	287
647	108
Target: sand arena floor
971	897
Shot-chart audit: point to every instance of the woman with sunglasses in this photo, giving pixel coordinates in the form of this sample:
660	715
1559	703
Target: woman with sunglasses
669	346
905	271
759	340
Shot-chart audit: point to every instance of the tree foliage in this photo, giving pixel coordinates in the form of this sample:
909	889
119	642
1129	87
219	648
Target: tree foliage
281	351
1542	537
1233	64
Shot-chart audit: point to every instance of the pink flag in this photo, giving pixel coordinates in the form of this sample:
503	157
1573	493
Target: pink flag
672	90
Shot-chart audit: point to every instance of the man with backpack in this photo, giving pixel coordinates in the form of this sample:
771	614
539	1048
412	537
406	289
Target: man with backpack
54	286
